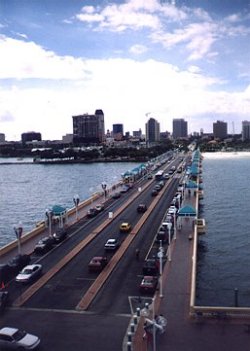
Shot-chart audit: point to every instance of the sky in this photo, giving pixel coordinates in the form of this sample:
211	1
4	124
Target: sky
134	59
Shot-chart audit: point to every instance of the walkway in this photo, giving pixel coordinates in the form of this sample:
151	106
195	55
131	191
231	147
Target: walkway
184	333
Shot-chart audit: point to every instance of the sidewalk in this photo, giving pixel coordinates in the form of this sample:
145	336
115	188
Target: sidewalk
184	333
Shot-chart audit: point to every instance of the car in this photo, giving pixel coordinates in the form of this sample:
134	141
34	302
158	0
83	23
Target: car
154	192
44	244
29	273
4	297
6	274
111	245
125	189
150	267
99	207
150	176
116	195
125	227
18	262
97	263
148	284
141	208
17	339
59	235
92	212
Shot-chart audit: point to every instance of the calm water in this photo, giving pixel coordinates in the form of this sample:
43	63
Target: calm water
27	190
224	262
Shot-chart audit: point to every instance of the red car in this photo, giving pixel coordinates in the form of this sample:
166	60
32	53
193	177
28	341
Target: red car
97	263
148	284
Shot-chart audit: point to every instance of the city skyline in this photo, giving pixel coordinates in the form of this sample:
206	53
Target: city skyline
133	59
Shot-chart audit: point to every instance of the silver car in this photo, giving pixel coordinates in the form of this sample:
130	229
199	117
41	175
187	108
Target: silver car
16	339
29	273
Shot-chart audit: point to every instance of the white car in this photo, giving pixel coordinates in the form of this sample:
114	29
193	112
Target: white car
16	339
29	273
111	244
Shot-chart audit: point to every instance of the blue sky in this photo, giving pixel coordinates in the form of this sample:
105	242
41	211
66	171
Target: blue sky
172	59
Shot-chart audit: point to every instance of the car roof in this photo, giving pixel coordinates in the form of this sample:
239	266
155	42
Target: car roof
30	266
8	331
111	240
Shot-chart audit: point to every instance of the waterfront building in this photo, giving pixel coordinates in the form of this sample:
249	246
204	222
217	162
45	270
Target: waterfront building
89	129
180	128
2	137
152	130
220	130
118	131
245	130
31	136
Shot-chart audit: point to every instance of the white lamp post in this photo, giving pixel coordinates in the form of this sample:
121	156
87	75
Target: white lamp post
175	225
104	188
160	256
76	200
49	216
19	231
169	241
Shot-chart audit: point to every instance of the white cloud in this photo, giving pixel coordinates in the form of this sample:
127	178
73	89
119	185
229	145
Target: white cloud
138	49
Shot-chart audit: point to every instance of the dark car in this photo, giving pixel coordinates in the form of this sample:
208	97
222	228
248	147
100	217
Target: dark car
148	284
4	297
97	263
44	244
142	208
18	262
6	273
92	212
154	192
151	267
60	235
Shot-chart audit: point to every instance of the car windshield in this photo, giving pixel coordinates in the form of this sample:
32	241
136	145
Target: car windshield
19	334
26	271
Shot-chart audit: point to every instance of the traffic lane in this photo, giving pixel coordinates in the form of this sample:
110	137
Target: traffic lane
126	277
60	331
79	281
66	288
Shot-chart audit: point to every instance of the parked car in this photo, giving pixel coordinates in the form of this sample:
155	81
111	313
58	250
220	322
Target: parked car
4	297
6	273
99	207
125	189
44	245
29	273
154	192
125	227
16	339
111	245
60	235
97	263
148	284
150	176
116	195
150	267
92	212
18	262
141	208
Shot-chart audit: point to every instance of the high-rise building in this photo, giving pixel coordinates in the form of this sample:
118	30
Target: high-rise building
2	137
89	129
31	136
152	130
245	130
118	131
180	128
220	129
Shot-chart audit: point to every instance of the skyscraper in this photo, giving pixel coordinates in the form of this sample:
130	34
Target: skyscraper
180	128
152	130
89	128
220	129
245	130
118	131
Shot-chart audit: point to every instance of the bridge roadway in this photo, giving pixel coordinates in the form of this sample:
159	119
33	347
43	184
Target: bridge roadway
64	294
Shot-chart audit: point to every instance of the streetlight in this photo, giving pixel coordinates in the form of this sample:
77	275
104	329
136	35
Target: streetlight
49	216
76	200
160	256
19	231
104	188
169	240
